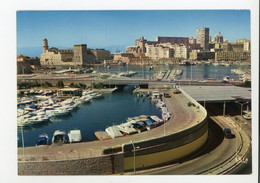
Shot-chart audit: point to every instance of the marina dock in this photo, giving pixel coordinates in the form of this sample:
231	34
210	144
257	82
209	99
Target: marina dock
176	105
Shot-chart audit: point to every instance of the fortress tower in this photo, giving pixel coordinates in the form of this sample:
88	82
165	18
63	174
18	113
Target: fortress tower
45	45
80	54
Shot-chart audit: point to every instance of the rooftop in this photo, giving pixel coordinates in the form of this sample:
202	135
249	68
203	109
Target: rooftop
217	93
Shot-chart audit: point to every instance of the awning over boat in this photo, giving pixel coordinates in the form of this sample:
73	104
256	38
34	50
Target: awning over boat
149	122
155	118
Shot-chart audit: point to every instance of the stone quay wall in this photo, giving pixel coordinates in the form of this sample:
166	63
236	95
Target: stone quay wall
104	165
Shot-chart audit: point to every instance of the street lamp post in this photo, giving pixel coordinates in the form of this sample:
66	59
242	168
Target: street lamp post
224	108
204	100
134	153
190	76
191	71
22	141
23	69
241	113
236	146
164	127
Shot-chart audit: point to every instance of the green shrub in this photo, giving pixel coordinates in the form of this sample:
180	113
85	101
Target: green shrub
72	85
60	84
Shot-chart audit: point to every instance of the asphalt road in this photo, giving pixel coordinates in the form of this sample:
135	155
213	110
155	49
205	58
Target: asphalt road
207	163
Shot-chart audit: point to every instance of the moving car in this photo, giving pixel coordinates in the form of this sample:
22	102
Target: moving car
227	133
247	116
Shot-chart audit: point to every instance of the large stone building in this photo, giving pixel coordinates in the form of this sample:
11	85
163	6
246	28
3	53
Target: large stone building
179	50
135	50
140	45
232	55
122	57
201	55
174	40
26	65
73	57
203	38
218	38
240	50
201	48
246	44
157	52
179	47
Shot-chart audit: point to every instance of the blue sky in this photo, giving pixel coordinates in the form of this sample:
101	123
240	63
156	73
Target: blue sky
103	29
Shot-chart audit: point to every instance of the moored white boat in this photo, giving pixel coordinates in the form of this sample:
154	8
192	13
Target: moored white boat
113	132
226	79
96	95
127	128
59	136
58	112
74	136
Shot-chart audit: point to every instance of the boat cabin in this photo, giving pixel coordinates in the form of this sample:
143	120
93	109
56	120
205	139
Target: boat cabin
74	136
58	137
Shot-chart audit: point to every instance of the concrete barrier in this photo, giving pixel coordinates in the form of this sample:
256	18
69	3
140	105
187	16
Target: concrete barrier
166	149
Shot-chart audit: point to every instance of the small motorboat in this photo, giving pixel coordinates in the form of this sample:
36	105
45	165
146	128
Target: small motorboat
74	136
42	139
226	79
59	137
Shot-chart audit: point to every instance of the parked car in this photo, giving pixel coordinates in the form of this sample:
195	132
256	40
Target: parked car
176	91
166	95
247	116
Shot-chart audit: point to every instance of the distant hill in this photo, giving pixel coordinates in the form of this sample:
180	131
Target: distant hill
37	51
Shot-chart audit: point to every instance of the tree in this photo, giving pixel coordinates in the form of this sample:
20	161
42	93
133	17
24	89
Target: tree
60	84
97	85
83	86
72	85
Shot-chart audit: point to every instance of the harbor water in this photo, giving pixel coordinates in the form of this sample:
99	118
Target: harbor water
117	107
194	72
98	115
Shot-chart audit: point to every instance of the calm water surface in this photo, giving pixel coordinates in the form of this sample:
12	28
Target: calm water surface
198	72
99	114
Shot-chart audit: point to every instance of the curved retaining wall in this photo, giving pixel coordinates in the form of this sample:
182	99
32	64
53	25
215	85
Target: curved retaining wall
166	149
150	153
143	161
169	148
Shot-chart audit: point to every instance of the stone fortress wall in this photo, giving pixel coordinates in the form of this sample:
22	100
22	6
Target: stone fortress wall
53	56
